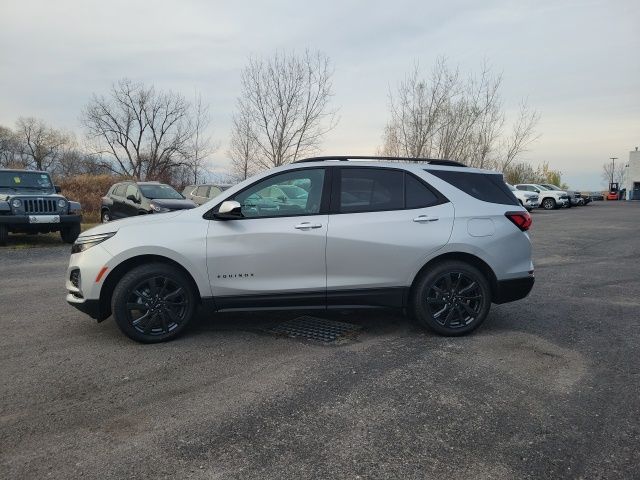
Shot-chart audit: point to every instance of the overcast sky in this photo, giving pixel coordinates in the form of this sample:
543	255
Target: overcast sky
577	62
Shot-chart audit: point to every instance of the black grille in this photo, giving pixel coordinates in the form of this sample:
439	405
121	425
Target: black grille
40	205
74	278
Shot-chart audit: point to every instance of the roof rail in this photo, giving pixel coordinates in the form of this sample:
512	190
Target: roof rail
346	158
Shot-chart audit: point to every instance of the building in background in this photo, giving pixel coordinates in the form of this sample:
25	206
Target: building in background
632	176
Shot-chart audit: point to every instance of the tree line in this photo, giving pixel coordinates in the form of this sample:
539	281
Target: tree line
283	112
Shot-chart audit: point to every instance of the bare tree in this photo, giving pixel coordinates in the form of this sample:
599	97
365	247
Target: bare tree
146	133
613	172
243	148
200	146
449	117
522	134
40	146
9	147
285	99
417	110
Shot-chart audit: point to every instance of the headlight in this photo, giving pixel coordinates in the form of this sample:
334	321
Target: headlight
158	208
62	203
85	243
16	203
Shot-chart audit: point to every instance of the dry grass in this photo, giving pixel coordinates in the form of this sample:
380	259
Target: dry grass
19	241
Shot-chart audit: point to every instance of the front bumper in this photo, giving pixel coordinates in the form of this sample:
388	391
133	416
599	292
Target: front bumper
512	290
89	307
84	290
24	220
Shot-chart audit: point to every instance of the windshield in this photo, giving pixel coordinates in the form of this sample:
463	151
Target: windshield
292	191
25	180
542	187
159	191
551	187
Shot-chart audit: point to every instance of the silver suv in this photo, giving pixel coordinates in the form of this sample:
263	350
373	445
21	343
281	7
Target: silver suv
432	237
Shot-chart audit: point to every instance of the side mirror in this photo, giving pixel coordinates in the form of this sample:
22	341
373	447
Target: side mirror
58	189
133	199
229	210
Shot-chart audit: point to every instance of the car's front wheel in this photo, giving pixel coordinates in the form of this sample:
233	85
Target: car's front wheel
153	303
70	233
549	204
4	234
452	298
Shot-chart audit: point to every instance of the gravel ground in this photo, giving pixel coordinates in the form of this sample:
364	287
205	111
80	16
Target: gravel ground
549	387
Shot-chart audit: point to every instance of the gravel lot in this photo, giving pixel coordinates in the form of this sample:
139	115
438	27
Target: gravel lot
549	387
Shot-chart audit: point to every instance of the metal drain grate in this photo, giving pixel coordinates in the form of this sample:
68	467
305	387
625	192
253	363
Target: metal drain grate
317	329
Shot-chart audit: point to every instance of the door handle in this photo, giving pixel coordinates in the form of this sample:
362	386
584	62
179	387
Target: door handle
425	219
308	226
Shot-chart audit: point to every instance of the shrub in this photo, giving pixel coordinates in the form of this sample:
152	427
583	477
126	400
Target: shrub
88	190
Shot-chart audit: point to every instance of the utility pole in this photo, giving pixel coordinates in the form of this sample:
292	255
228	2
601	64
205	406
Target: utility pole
613	166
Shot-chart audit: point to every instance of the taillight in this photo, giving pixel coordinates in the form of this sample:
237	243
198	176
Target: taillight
522	220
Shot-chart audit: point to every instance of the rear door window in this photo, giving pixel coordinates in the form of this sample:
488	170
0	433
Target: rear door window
381	189
214	192
371	190
201	191
488	187
417	194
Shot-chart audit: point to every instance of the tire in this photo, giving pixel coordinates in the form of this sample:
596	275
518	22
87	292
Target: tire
105	216
166	298
4	235
70	233
549	204
438	298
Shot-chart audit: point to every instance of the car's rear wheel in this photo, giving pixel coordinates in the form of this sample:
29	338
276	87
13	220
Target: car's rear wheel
549	204
4	234
70	233
452	298
106	216
153	303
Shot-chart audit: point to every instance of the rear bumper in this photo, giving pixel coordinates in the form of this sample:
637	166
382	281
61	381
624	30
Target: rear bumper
512	290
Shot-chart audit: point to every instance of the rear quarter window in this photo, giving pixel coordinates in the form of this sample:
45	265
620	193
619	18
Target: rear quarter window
488	187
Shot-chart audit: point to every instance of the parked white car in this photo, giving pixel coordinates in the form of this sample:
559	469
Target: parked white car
435	238
528	200
549	199
575	198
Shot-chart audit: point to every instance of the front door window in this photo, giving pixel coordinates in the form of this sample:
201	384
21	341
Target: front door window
293	193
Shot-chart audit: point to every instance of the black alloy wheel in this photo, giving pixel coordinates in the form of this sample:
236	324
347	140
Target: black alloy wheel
454	300
156	306
153	303
451	298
